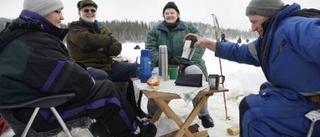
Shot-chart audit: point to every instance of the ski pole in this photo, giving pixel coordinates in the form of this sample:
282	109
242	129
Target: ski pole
217	33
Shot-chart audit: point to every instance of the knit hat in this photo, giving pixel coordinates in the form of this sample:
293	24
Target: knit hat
42	7
83	3
265	8
170	5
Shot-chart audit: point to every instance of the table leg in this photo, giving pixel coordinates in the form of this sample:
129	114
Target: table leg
170	113
193	115
158	113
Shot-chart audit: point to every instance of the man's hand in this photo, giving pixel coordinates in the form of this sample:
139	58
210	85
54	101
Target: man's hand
202	42
199	38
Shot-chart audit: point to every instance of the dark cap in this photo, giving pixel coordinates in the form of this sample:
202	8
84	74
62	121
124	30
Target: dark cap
83	3
171	5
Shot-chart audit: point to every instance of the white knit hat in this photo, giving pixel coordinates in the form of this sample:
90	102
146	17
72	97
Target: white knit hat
42	7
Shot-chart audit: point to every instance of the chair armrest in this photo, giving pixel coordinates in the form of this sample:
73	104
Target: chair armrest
43	102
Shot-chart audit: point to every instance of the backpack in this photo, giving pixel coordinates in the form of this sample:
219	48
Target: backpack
309	13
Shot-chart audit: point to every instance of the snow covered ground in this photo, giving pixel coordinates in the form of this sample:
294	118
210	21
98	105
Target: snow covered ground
240	80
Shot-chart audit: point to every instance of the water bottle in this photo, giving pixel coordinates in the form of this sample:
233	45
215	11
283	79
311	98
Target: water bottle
163	62
145	66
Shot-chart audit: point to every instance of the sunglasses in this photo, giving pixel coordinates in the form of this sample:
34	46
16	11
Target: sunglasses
92	10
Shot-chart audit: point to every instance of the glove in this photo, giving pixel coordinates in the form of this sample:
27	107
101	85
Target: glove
184	63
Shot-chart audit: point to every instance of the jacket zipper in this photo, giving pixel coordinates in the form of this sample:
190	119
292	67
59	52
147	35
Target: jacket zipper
279	50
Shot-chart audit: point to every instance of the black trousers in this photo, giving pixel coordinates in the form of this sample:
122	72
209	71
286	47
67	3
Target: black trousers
103	103
243	107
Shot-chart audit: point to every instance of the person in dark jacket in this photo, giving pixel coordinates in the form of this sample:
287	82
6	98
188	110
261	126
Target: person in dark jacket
239	40
223	37
170	32
44	67
288	52
92	44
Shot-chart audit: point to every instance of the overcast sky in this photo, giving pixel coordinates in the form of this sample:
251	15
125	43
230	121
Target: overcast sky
230	13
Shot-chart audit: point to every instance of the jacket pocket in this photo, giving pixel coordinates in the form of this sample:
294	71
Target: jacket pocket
280	47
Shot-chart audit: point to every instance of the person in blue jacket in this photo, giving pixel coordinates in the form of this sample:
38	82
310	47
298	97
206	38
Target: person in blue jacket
288	51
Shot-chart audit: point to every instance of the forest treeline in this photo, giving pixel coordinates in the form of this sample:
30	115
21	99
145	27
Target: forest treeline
136	31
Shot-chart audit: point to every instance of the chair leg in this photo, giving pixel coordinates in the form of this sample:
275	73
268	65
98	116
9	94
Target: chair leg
33	116
63	125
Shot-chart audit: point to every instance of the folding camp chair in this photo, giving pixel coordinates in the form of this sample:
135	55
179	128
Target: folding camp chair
21	129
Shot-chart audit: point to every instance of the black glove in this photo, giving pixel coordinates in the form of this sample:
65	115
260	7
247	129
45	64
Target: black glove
184	63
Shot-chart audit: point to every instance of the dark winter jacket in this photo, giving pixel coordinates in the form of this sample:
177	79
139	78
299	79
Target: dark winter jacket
160	35
36	62
92	44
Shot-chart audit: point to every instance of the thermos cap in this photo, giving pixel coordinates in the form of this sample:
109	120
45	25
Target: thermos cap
145	53
162	48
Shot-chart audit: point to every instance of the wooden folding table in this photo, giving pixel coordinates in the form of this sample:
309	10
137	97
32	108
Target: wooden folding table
162	99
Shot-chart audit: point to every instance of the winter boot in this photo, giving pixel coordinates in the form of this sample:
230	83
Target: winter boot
98	129
206	121
149	130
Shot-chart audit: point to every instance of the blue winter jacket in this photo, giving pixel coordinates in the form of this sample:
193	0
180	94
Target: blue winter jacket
288	53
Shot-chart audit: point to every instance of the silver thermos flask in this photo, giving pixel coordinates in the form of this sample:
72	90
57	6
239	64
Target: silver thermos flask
189	48
163	62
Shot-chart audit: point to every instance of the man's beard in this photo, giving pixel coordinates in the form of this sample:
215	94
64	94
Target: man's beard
90	20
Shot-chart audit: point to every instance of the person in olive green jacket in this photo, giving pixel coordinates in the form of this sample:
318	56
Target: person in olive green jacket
171	32
91	44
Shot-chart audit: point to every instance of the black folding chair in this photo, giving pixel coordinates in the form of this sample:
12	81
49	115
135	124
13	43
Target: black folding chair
51	102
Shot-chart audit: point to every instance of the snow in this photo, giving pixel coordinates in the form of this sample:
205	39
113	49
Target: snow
241	80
